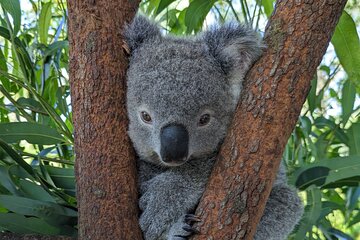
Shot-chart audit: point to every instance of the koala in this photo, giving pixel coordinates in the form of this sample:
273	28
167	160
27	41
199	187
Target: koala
181	96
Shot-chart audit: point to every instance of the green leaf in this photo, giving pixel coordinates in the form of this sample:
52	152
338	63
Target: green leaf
6	181
48	108
17	158
312	176
19	172
31	132
24	225
31	104
196	14
3	210
347	100
151	6
322	122
325	172
33	4
62	177
347	47
13	7
44	22
312	213
344	182
354	139
177	23
305	125
352	198
54	47
3	66
339	234
268	6
31	207
325	69
328	207
312	95
162	5
35	191
321	145
355	220
23	55
333	93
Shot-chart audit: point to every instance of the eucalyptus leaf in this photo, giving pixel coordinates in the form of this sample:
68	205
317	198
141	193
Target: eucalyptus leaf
13	7
327	171
54	47
312	213
162	5
305	125
312	176
268	6
23	55
62	177
5	181
347	100
339	234
31	132
26	225
347	47
311	98
44	21
328	207
41	209
352	198
353	133
31	104
196	14
355	219
3	67
17	158
35	191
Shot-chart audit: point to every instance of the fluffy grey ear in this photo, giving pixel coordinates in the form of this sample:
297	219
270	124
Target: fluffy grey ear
140	31
234	46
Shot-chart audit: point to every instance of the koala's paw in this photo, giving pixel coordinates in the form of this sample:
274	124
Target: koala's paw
153	225
183	228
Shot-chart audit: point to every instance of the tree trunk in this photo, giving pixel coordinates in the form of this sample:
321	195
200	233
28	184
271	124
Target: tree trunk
105	165
275	89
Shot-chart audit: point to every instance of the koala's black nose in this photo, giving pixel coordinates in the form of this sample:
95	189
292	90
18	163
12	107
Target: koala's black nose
174	140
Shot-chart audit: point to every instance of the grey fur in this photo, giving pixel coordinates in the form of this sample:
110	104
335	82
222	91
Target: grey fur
176	80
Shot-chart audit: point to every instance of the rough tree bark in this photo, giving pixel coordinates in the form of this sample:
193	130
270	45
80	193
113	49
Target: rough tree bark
105	166
275	89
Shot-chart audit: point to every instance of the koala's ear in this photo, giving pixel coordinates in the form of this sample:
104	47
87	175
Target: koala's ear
140	31
234	46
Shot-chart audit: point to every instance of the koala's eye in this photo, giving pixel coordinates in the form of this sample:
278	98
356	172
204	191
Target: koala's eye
204	119
145	117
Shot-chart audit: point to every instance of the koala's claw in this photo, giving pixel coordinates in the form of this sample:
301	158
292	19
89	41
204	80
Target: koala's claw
180	236
191	218
190	229
183	228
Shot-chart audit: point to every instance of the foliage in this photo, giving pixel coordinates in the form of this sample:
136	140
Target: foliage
37	191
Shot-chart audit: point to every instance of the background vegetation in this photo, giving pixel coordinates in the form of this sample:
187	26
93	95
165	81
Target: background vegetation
37	190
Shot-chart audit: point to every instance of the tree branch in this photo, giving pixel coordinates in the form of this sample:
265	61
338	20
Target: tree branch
105	165
275	89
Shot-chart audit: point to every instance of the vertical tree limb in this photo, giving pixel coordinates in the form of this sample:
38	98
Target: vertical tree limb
105	166
275	89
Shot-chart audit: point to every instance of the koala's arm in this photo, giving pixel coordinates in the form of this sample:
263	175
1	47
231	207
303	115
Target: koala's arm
282	212
168	196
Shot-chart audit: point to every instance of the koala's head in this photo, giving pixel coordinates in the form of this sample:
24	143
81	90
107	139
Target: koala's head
182	92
